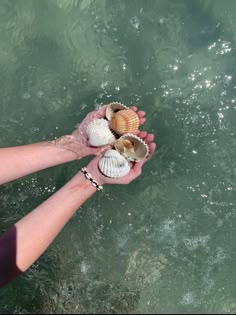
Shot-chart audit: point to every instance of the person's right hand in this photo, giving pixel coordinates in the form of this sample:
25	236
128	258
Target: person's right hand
135	171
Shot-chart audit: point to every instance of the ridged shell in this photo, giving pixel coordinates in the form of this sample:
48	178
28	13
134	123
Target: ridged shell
113	164
124	121
132	147
99	133
112	108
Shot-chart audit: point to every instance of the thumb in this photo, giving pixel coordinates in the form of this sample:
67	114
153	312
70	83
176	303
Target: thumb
100	112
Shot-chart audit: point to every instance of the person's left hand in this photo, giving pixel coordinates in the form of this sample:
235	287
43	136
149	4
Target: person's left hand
77	142
136	168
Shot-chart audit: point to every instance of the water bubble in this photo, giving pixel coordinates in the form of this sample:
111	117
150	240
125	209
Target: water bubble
167	229
161	20
134	21
188	299
40	93
26	95
194	242
104	84
84	267
106	68
83	106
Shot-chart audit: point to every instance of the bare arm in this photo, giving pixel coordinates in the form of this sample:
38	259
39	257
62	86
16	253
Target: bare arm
16	162
22	244
19	161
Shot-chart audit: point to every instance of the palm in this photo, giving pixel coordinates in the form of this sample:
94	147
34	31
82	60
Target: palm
136	167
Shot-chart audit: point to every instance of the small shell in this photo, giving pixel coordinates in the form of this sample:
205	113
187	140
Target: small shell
113	164
124	121
113	108
132	147
99	133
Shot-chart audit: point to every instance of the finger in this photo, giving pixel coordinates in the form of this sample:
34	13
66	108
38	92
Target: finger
105	148
137	168
94	151
142	134
102	150
134	108
141	113
101	111
142	121
149	138
152	148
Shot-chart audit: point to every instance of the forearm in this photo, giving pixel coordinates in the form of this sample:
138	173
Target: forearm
16	162
35	232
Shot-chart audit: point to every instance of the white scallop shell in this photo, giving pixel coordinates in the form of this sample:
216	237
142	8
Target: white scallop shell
114	107
135	150
113	164
99	133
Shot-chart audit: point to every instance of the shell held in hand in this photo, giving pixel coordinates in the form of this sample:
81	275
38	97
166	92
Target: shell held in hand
99	133
113	164
113	108
132	147
124	121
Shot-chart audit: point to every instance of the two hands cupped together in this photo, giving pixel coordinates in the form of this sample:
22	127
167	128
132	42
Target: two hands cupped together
78	142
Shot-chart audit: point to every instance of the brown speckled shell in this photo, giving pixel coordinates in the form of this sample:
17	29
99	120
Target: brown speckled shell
113	108
124	121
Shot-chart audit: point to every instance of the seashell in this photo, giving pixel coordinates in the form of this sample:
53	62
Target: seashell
113	164
113	108
132	147
99	133
124	121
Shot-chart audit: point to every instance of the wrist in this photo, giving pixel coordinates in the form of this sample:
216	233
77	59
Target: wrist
89	177
69	146
96	175
80	183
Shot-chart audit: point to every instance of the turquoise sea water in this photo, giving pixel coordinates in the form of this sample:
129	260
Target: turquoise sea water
166	242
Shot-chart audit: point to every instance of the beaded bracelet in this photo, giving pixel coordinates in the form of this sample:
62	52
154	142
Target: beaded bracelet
89	177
